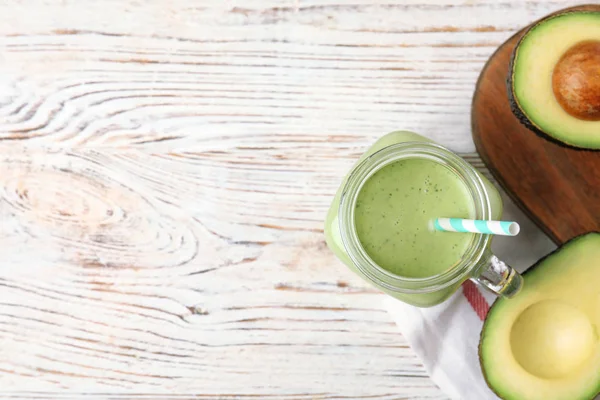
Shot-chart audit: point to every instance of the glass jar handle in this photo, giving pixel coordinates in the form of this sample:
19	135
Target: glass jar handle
498	277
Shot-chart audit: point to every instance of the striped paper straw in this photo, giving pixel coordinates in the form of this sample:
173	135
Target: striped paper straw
505	228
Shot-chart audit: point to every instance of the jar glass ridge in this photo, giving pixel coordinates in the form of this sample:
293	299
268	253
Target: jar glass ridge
378	160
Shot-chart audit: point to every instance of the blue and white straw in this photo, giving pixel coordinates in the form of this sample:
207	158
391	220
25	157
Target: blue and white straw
505	228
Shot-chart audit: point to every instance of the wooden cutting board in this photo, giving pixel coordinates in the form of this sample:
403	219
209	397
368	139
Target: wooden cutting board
558	187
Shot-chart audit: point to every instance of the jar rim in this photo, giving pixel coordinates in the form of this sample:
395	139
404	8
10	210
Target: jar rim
373	163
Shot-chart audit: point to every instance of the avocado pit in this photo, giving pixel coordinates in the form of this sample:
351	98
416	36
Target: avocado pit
551	339
576	80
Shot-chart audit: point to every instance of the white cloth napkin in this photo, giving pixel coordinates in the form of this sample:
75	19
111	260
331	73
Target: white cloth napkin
446	336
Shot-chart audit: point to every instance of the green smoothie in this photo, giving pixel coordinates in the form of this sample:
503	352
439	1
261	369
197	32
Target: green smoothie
393	214
392	217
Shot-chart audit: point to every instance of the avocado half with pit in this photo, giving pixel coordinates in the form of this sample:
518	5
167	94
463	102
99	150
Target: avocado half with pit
554	78
543	343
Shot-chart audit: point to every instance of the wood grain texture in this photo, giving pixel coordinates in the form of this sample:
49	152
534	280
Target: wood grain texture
545	178
115	278
165	171
179	75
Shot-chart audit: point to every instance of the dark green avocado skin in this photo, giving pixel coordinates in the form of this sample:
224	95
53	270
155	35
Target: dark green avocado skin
530	269
512	100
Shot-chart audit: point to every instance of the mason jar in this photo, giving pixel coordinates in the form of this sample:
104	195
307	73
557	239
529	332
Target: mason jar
477	262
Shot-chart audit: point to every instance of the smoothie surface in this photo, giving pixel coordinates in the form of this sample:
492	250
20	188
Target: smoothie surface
394	210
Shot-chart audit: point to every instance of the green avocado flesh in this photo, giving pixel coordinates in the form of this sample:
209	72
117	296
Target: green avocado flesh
543	343
554	78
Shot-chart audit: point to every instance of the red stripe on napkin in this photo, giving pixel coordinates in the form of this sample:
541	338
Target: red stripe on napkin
475	299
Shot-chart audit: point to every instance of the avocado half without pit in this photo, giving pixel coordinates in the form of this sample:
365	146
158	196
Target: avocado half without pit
554	78
543	343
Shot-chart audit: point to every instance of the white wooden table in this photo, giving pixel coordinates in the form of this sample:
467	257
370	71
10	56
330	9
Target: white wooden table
165	170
